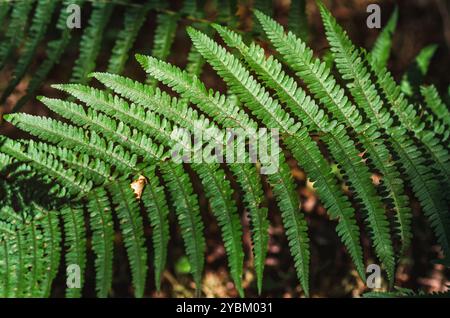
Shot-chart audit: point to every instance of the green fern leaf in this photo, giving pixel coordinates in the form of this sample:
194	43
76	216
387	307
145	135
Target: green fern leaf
131	226
270	72
133	21
263	107
101	224
75	243
298	20
47	164
158	212
219	201
122	134
219	193
91	41
16	30
52	240
54	51
189	219
75	138
382	47
163	38
415	75
4	11
435	104
245	174
41	19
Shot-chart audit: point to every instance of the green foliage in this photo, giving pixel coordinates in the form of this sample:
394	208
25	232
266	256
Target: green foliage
382	46
16	30
75	244
130	220
101	224
298	19
39	25
158	212
108	157
414	77
91	40
30	248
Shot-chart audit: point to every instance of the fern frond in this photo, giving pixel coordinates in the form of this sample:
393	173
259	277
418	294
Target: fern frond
116	107
47	164
306	110
129	138
263	6
245	174
265	108
250	183
187	203
409	119
13	255
216	197
54	51
5	261
101	224
323	86
164	35
435	104
424	184
382	46
414	76
35	250
424	57
438	123
364	92
75	138
133	21
233	73
361	146
75	243
16	30
119	108
91	41
39	25
293	220
195	62
4	10
219	193
52	240
163	38
27	236
155	202
92	168
188	212
34	237
298	19
131	226
227	114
